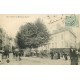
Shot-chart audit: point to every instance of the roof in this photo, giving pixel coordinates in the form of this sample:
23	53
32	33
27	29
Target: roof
62	30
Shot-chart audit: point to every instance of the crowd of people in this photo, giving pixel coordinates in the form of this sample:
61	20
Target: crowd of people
73	55
17	54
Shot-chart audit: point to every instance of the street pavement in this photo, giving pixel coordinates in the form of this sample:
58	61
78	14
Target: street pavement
35	61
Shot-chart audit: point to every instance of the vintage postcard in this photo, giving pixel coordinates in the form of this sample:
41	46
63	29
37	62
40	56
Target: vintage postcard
39	39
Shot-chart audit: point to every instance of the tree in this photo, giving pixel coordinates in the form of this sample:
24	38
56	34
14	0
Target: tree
32	35
1	30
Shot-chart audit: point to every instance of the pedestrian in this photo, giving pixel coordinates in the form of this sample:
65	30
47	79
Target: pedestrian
6	53
58	55
16	53
20	54
73	57
0	55
65	56
51	53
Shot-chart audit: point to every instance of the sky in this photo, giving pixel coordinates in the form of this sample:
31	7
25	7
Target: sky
11	23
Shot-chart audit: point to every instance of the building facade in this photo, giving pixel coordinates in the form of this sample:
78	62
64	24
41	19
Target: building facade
4	39
61	38
0	39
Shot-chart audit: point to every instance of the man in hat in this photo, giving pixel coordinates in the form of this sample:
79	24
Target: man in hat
51	53
73	56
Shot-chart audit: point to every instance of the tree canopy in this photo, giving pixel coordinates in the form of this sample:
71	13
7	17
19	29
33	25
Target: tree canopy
32	35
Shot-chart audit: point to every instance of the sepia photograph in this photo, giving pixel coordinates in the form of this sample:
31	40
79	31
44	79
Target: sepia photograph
39	39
